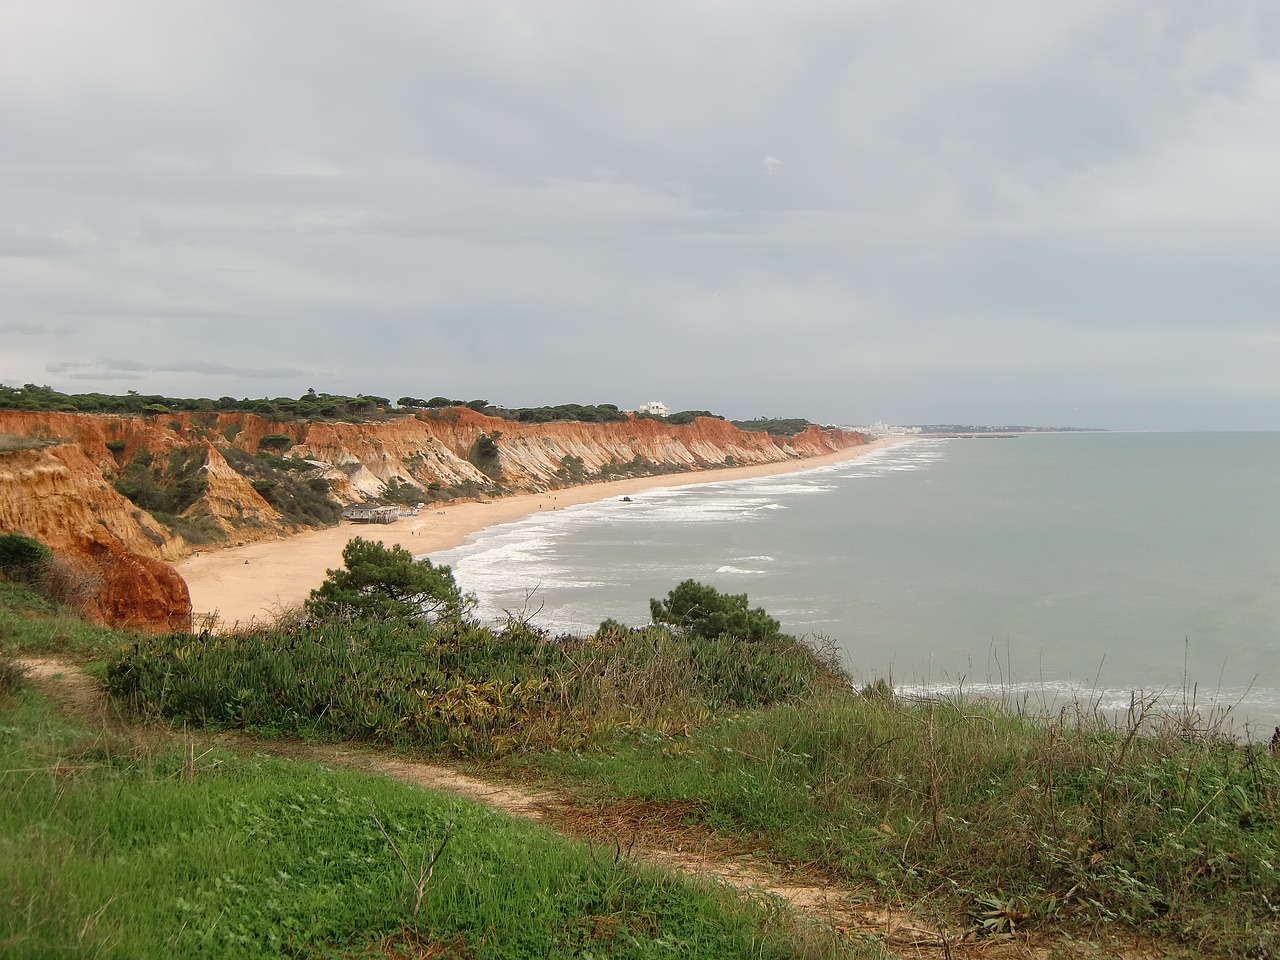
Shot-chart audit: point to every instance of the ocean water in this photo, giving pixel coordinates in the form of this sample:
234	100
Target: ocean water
1048	567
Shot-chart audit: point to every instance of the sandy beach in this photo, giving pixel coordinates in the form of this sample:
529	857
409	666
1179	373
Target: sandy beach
254	583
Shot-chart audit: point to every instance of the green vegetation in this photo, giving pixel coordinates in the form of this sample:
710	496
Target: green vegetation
976	813
403	492
28	565
23	559
706	613
13	441
572	469
681	418
35	619
167	489
304	501
455	687
973	809
169	486
275	442
638	466
486	455
387	584
588	413
774	426
310	406
121	850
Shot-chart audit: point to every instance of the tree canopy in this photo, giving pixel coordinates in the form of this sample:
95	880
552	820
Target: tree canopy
705	612
387	583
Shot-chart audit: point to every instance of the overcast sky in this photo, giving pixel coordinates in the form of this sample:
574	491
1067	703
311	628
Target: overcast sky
1024	212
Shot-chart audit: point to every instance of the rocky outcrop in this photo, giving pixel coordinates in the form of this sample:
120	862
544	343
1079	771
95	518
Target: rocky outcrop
232	503
108	546
139	593
57	495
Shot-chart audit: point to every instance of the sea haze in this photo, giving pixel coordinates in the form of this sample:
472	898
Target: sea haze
1051	565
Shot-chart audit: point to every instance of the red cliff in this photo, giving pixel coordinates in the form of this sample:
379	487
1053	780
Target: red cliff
57	495
66	494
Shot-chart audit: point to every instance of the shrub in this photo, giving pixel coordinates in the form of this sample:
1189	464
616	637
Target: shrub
486	455
387	583
196	530
401	491
301	500
22	558
276	441
705	612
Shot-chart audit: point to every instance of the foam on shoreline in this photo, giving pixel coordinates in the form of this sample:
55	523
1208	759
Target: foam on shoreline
255	582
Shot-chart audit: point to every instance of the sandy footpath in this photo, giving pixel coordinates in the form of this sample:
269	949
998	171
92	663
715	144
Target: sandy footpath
237	585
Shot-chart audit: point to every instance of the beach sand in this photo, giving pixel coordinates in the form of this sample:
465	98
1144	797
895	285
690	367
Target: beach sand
236	586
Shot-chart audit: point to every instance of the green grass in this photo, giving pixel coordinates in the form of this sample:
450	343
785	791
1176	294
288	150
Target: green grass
969	811
978	811
112	849
31	622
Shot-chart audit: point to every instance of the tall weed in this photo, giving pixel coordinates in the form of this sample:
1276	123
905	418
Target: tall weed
1077	820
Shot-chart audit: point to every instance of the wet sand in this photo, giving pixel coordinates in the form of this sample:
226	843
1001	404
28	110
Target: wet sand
257	582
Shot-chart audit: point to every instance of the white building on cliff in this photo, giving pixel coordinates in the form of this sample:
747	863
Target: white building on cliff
655	408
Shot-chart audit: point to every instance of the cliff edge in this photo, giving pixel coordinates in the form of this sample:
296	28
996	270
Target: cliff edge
132	492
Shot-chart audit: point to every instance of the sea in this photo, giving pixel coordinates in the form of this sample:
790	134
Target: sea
1052	570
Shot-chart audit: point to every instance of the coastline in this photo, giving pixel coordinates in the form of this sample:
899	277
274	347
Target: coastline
238	586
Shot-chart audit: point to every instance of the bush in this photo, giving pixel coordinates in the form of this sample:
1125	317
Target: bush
403	492
300	501
705	612
387	583
168	487
23	559
276	441
196	530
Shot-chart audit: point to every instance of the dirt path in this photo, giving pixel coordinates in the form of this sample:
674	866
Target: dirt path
652	833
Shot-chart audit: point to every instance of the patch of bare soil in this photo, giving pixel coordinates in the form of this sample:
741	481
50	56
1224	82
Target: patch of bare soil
74	691
658	834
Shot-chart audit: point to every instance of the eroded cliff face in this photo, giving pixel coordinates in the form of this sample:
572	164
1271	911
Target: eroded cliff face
65	495
57	495
439	448
61	498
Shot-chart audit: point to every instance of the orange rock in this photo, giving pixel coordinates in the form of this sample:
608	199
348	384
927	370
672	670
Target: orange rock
63	495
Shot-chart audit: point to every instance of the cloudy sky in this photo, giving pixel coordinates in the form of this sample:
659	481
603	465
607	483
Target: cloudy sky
990	212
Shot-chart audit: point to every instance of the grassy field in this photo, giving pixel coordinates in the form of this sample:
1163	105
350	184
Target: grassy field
973	815
111	847
967	808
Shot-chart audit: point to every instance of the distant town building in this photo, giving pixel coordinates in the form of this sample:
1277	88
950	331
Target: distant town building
882	429
655	408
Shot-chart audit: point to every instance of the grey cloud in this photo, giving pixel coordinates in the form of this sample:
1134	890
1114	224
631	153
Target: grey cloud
979	208
119	369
